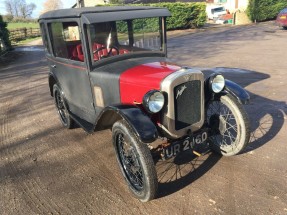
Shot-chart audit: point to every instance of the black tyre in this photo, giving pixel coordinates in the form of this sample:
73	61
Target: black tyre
135	161
285	27
65	117
229	124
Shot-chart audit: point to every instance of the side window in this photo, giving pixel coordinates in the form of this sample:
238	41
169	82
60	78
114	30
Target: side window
146	34
45	38
65	39
103	40
123	34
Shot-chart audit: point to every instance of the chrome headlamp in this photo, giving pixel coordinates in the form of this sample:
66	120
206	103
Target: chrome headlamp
216	83
153	101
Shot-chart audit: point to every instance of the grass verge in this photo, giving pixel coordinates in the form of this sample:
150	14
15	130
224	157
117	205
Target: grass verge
15	25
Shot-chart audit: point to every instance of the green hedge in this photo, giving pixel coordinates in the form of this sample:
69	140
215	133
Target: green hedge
261	10
184	15
4	35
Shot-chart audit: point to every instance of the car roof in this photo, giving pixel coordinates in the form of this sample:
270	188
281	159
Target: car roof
106	12
284	10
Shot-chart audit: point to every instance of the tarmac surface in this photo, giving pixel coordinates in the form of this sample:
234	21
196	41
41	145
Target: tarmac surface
46	169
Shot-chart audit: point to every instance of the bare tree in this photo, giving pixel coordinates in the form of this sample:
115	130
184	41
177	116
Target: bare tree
49	5
26	10
9	5
15	7
19	8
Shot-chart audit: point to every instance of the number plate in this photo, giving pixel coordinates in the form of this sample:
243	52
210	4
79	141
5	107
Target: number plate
282	17
186	144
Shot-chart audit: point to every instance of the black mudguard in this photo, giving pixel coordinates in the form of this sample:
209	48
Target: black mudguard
237	91
140	123
52	80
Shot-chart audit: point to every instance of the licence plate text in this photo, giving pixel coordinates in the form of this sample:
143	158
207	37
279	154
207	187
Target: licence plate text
183	145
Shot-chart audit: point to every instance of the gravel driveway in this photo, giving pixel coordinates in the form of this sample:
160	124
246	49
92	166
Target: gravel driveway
46	169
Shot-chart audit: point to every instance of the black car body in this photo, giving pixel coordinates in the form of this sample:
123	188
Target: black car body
109	69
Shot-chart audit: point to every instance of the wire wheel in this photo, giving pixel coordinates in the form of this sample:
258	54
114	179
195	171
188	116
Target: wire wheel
65	118
135	161
130	162
229	125
60	107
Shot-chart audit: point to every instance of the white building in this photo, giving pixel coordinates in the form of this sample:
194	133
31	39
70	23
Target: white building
231	5
90	3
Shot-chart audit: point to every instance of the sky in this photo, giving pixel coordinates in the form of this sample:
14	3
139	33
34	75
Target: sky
39	4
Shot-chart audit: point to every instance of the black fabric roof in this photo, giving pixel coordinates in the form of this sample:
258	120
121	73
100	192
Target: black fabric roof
78	12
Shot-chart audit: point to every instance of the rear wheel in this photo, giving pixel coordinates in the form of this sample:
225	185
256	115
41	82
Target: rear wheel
229	125
62	110
135	162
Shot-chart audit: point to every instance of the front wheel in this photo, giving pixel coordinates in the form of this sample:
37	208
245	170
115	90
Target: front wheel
135	161
229	125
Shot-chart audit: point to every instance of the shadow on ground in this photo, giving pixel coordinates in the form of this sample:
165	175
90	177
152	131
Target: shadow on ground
214	42
266	117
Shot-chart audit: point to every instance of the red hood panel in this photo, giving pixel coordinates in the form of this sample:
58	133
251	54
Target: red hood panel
137	81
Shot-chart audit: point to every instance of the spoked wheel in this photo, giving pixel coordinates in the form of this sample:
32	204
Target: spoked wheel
65	118
229	125
135	162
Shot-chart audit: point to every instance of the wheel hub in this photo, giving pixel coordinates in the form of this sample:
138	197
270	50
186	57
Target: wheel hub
222	125
217	124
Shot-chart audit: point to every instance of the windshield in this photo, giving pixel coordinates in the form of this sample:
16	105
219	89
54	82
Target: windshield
110	39
218	10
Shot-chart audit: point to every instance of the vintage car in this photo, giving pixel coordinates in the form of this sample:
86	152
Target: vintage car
109	70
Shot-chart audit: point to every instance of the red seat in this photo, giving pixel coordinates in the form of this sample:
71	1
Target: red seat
124	51
77	53
74	55
80	52
102	51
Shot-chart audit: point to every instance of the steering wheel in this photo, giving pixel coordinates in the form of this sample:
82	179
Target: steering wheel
110	53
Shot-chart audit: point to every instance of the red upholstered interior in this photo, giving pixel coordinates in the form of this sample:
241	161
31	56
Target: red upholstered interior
76	52
74	55
100	53
104	51
80	52
124	51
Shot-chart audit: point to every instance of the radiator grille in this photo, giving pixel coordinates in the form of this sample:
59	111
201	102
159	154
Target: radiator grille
187	104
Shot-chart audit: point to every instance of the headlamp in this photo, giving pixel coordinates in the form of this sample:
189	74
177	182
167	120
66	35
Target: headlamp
153	101
217	83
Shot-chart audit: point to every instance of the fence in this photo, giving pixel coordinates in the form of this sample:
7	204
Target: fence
23	33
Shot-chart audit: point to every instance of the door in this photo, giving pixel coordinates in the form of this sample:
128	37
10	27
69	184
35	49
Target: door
69	66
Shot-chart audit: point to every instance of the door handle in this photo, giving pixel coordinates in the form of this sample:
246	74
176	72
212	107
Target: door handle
53	66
